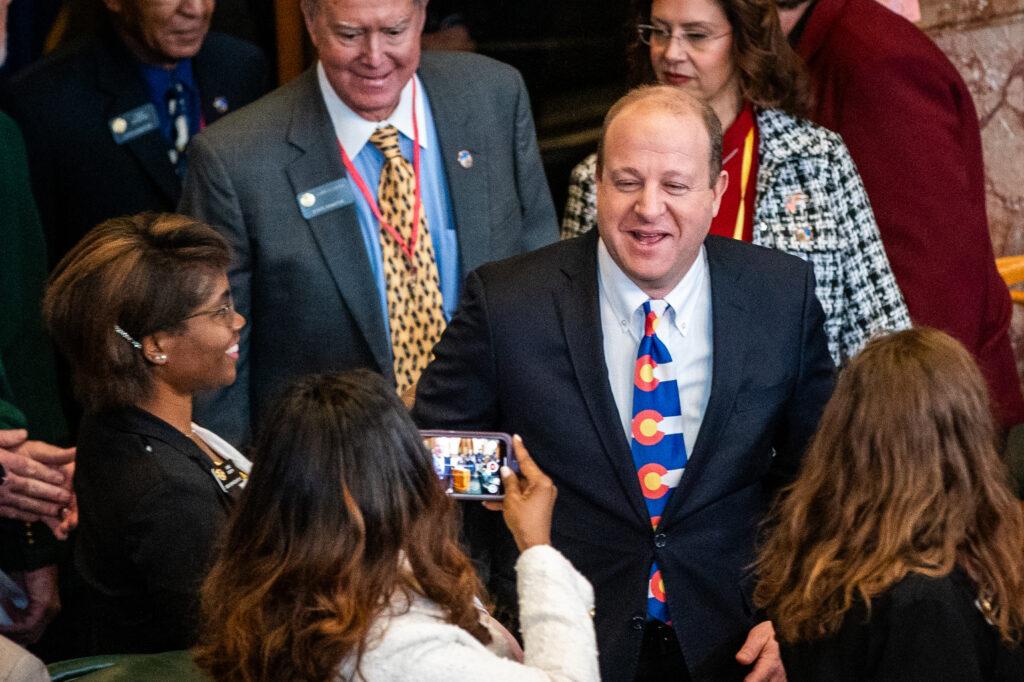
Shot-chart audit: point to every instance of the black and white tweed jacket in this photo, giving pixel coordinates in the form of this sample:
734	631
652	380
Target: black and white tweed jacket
810	203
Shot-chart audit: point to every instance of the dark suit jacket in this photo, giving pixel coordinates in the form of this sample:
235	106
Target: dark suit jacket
524	355
911	127
64	104
150	511
922	629
306	286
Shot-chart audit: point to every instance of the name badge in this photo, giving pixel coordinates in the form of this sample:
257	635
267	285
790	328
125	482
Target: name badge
131	124
327	197
230	479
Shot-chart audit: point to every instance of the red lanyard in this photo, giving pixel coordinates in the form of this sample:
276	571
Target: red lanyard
409	246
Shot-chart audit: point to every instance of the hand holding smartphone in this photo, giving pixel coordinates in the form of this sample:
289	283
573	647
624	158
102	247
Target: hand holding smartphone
529	501
468	463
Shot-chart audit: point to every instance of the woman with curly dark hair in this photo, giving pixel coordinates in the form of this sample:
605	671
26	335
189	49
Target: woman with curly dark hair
343	560
898	553
792	185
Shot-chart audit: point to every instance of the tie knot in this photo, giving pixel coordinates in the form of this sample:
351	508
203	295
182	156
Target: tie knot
656	306
653	310
386	140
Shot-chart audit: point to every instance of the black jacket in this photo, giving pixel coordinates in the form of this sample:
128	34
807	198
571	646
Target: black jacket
64	106
922	629
150	511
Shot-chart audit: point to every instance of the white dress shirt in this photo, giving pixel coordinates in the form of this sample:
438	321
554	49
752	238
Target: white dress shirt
685	331
353	131
223	448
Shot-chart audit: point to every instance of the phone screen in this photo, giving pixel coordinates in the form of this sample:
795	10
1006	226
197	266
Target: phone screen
468	464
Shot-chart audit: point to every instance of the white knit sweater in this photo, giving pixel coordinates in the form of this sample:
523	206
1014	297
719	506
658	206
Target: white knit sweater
555	604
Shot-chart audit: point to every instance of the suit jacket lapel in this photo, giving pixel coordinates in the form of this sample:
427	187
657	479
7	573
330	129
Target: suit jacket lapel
729	344
337	233
117	76
467	186
581	323
207	77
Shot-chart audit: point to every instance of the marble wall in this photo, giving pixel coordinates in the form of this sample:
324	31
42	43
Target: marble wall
985	40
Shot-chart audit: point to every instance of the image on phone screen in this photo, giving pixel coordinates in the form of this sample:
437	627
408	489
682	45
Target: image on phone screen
469	464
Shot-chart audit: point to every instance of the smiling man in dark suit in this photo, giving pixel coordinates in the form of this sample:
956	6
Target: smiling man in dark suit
667	381
106	119
356	198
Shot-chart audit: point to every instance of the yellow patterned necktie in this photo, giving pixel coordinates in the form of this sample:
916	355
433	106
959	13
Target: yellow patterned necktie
415	313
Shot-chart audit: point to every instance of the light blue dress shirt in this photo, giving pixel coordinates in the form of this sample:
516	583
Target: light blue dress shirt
437	201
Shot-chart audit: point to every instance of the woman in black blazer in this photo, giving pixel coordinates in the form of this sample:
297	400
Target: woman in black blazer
898	554
141	307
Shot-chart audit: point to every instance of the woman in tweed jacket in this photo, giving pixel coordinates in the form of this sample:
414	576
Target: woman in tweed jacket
807	198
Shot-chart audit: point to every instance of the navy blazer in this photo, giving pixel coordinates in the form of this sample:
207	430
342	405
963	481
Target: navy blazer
80	175
524	354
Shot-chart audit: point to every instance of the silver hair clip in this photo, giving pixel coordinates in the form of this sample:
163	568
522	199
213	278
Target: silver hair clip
127	337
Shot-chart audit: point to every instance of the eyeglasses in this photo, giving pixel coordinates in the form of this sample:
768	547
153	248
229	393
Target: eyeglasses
657	36
223	314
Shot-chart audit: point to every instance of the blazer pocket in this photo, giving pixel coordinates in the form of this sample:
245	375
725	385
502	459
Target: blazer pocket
758	397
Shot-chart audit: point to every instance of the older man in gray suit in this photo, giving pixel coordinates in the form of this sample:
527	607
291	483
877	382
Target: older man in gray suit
358	196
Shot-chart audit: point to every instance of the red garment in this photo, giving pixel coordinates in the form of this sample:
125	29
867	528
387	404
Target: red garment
733	148
910	125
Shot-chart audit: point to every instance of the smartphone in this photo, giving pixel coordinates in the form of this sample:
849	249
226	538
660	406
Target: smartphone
468	463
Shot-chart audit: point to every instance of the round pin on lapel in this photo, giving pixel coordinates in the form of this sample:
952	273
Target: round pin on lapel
119	126
465	159
220	104
307	200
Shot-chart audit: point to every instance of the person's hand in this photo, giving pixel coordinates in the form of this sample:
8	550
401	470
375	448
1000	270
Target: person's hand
529	502
68	515
63	460
762	651
43	604
33	486
67	519
44	453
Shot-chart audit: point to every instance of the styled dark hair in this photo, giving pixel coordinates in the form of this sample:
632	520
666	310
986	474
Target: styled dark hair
342	517
902	477
678	103
141	274
771	74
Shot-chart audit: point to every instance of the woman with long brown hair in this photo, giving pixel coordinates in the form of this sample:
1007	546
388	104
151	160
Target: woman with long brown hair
792	185
899	551
343	561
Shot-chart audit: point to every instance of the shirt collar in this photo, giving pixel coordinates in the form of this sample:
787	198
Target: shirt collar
626	298
159	79
353	131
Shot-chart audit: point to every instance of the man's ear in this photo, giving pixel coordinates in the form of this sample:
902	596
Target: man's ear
422	4
719	189
307	18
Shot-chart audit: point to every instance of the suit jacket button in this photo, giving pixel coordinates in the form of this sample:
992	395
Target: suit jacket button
638	622
660	540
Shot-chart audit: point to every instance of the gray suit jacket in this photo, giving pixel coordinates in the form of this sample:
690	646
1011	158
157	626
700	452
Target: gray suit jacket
306	286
